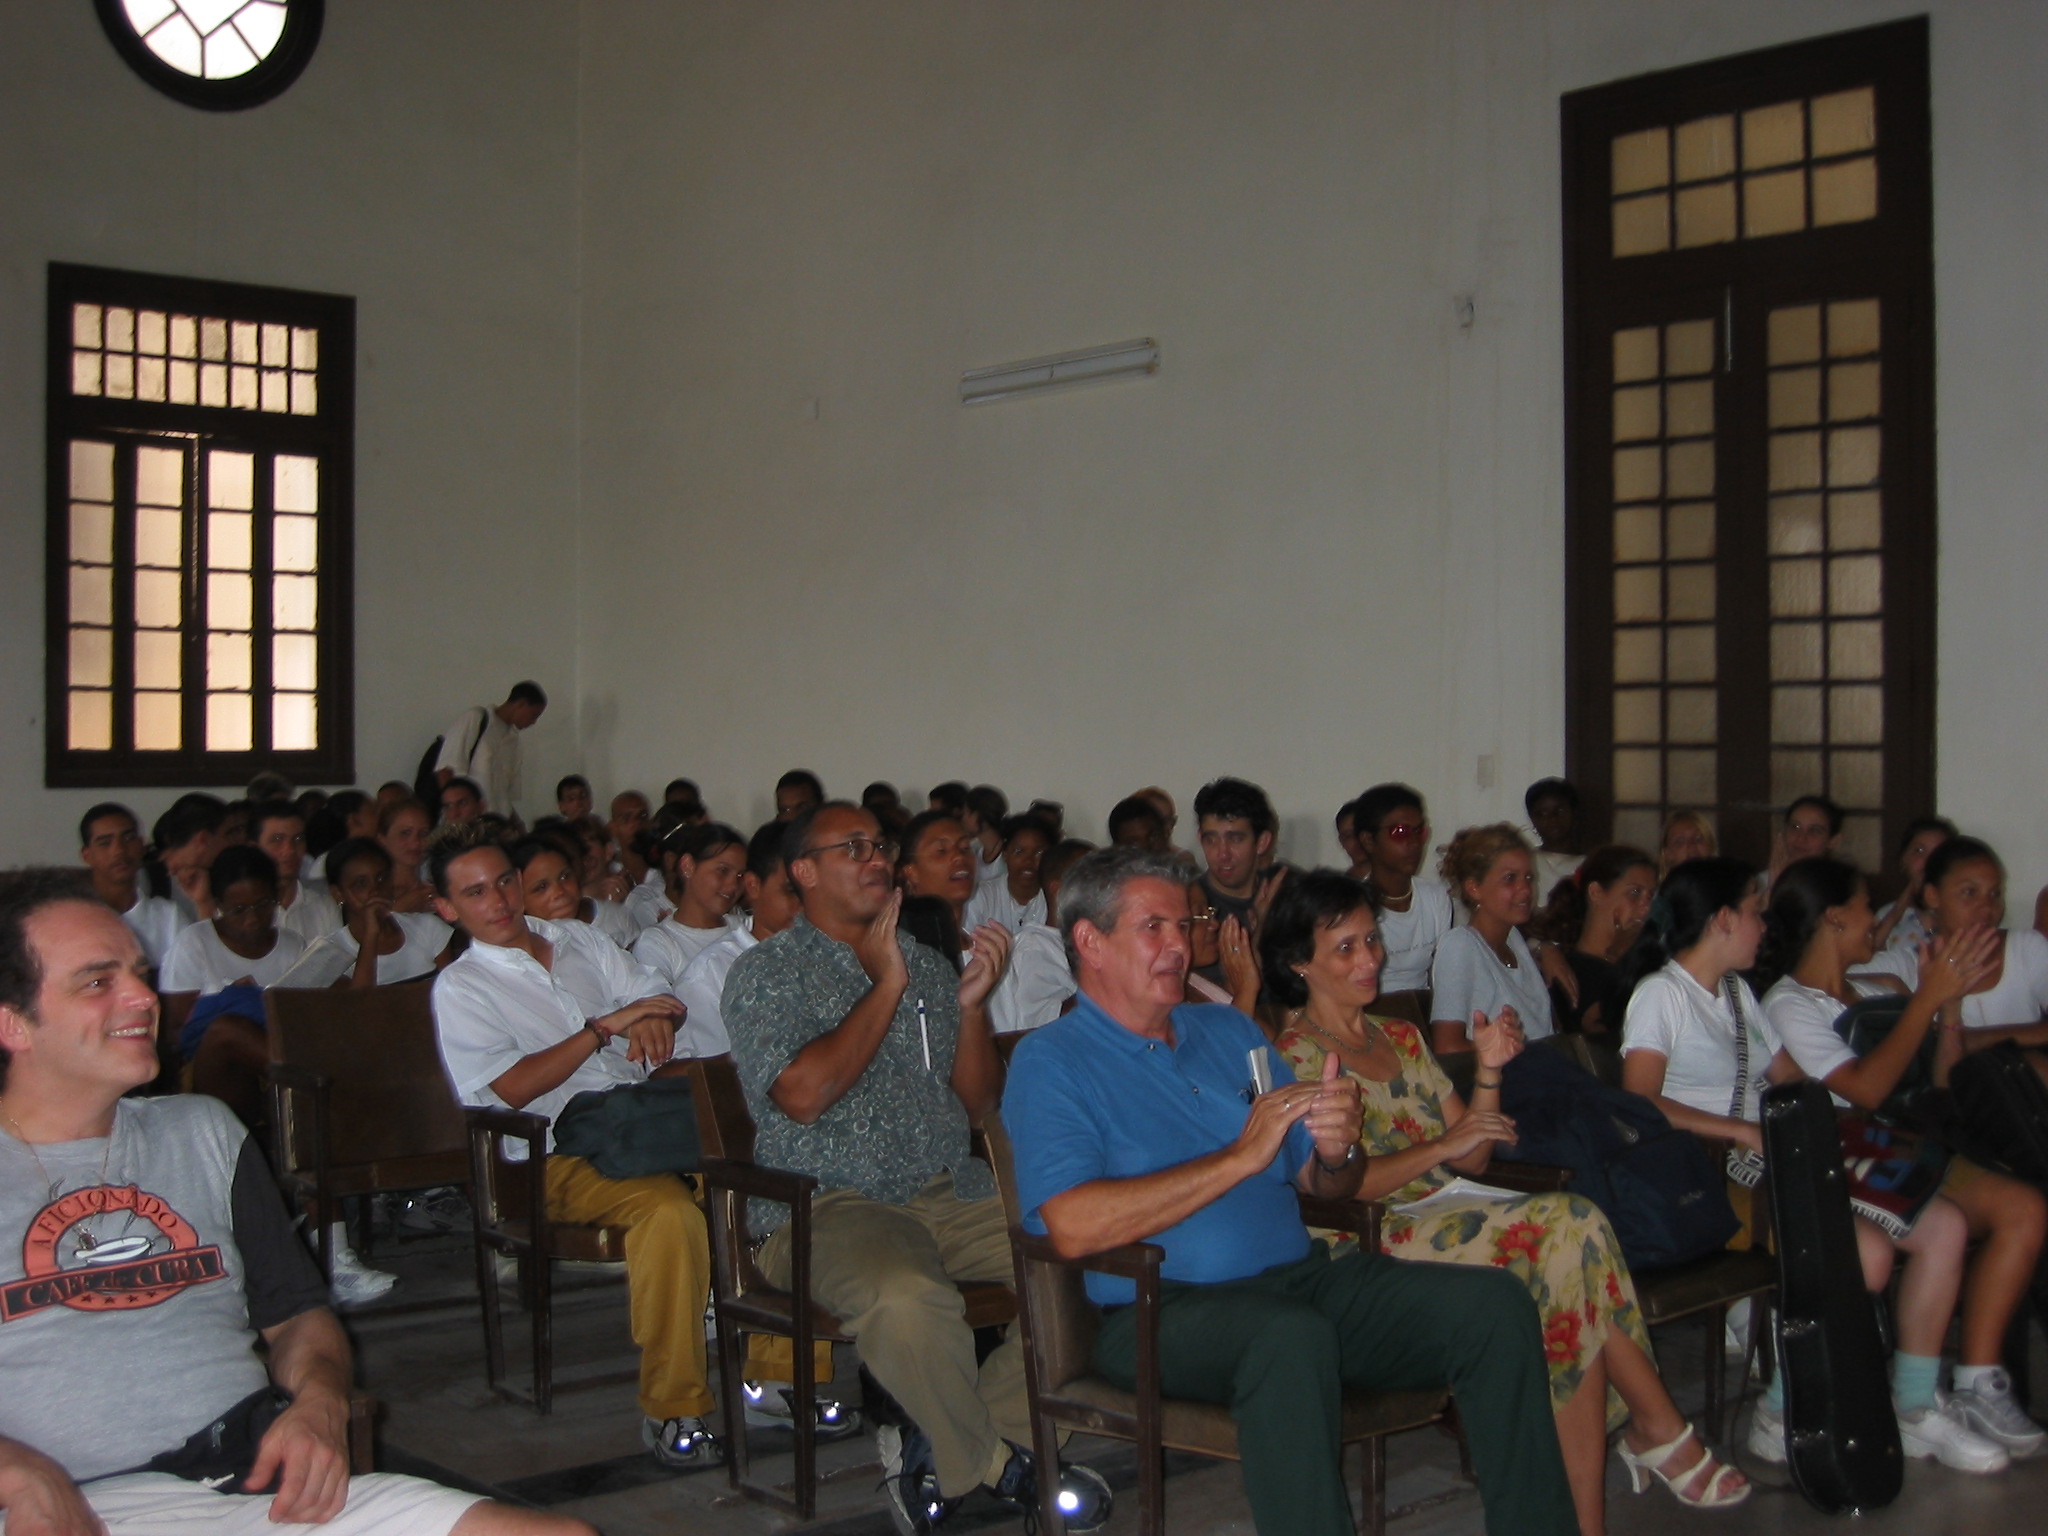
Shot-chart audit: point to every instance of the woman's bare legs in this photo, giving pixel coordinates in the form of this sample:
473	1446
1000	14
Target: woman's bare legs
1582	1436
1933	1278
2009	1218
1654	1419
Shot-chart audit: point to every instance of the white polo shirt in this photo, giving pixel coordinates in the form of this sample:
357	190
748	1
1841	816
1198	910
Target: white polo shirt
333	955
1037	983
993	903
1692	1029
702	990
2019	997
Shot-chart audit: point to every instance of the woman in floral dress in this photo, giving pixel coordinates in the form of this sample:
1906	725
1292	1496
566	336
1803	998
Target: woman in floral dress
1321	959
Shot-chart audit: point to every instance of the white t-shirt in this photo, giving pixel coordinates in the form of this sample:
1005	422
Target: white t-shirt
1692	1029
1037	983
668	947
333	955
493	762
647	903
993	903
1803	1018
1410	938
1468	975
1550	869
199	962
702	990
611	919
495	1005
2020	996
993	869
156	923
313	913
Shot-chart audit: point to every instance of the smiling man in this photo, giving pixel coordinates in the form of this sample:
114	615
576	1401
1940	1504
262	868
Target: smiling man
1131	1123
143	1250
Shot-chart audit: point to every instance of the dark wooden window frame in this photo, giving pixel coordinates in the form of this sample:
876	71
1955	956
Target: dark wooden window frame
330	435
1890	258
272	76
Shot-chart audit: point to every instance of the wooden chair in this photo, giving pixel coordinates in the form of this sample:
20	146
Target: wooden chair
744	1301
359	1101
1059	1326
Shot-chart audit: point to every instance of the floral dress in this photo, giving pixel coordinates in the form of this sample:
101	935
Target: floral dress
1559	1245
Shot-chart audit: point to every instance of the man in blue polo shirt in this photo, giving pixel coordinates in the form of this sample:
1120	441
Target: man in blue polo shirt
1131	1124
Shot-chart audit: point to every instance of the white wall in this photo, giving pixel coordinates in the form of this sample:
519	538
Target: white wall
425	163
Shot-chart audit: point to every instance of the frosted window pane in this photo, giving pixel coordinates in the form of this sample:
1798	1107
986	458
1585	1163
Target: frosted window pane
231	480
1794	335
1856	715
1635	354
149	378
213	340
1852	391
92	534
1692	776
1636	476
275	396
1641	161
228	661
120	377
91	727
242	388
159	658
242	341
159	537
1795	715
92	595
294	602
177	43
1637	595
1635	534
1642	225
1856	651
1794	774
229	604
277	346
1637	716
1795	588
1636	658
1853	455
261	24
1689	469
183	384
92	658
150	332
227	55
295	661
1691	591
1636	414
213	384
1773	204
1688	348
305	347
294	722
230	720
1845	122
1845	193
1795	398
184	336
1795	653
295	483
228	536
159	477
1706	215
1638	775
85	373
1690	715
1795	461
295	544
1854	521
1690	408
85	325
1855	584
158	726
158	599
305	395
1773	135
1705	148
1691	531
1795	525
120	330
1852	328
1637	829
92	471
1858	781
1863	841
1689	653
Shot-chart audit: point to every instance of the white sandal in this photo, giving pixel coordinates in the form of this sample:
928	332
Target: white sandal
1710	1493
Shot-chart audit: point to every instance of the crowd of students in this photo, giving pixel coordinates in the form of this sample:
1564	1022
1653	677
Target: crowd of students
1710	977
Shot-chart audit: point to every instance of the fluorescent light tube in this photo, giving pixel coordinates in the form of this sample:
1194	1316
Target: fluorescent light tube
979	386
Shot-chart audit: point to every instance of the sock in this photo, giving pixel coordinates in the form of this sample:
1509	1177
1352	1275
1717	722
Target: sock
1914	1378
1774	1394
1979	1378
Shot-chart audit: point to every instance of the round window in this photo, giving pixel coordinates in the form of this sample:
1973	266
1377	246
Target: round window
219	54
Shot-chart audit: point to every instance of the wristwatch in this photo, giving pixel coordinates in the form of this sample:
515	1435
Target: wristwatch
1350	1156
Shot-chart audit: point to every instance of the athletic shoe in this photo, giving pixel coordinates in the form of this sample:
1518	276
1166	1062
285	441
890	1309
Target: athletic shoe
1944	1434
353	1282
1767	1434
434	1210
1085	1500
1989	1409
772	1405
910	1482
681	1444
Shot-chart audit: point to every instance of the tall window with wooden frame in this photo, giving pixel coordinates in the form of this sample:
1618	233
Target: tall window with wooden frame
1750	441
199	536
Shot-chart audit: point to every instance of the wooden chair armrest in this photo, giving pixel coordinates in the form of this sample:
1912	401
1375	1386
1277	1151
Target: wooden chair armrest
1359	1217
1530	1178
295	1090
362	1428
757	1181
489	1128
1128	1261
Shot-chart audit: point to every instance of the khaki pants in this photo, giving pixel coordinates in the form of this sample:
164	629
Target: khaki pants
888	1272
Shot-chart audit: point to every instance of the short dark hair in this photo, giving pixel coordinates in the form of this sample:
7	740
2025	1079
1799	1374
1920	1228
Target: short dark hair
102	812
570	781
189	817
802	778
1958	850
951	795
24	893
1133	808
1025	821
1550	789
796	835
764	850
347	852
1321	898
1229	799
459	782
1380	802
1800	899
450	844
244	861
528	692
1825	806
273	810
537	843
881	790
681	789
989	803
913	834
269	785
699	840
1686	902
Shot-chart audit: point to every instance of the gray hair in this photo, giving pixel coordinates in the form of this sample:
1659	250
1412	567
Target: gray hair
1093	891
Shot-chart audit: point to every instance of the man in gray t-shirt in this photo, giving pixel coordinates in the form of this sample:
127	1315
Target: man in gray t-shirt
143	1250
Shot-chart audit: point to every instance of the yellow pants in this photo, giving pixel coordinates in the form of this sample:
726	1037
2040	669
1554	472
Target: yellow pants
668	1277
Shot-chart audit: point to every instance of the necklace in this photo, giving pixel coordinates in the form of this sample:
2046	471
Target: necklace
1399	903
1372	1034
86	1242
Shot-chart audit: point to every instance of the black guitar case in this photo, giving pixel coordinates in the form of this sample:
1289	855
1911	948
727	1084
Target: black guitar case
2001	1112
1840	1432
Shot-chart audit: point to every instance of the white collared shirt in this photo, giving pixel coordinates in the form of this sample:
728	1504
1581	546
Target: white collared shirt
702	990
993	903
333	955
668	946
1693	1030
1037	982
495	1005
312	914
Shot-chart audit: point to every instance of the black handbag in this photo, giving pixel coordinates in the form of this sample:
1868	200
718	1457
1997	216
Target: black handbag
222	1453
633	1131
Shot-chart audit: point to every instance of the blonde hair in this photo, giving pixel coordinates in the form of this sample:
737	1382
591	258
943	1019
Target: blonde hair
1698	822
1472	854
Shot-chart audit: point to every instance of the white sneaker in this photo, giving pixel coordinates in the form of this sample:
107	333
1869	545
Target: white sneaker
1767	1434
770	1404
1942	1432
353	1282
1989	1410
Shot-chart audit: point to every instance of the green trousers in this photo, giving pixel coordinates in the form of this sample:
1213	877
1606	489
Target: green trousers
1280	1347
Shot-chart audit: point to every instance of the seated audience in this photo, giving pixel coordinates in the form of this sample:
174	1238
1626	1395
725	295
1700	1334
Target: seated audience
1553	810
1697	1043
1687	835
1488	967
303	906
1135	822
403	827
549	870
937	860
950	797
99	1397
1221	948
1595	917
1169	813
374	946
461	802
1255	1314
183	843
1237	827
770	899
1414	909
111	844
1321	953
1039	979
1903	923
572	797
1820	927
794	791
705	862
983	815
1016	899
687	799
1812	829
628	827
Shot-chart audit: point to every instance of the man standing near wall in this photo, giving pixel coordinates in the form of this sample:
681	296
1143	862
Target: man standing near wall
484	745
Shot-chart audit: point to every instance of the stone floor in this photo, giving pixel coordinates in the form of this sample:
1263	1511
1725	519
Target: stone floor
422	1356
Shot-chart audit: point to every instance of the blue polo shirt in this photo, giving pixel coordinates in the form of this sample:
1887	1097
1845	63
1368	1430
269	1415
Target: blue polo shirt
1088	1099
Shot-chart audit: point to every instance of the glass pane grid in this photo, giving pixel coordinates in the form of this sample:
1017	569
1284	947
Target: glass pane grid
122	353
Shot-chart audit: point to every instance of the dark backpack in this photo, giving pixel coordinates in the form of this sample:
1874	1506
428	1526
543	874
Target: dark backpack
425	787
1658	1186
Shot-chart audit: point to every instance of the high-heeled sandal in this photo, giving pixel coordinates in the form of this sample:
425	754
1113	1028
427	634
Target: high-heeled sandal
1709	1491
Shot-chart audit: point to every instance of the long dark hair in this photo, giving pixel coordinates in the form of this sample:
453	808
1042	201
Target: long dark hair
1686	902
929	920
1564	917
1800	899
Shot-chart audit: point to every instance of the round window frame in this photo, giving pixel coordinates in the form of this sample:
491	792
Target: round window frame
271	77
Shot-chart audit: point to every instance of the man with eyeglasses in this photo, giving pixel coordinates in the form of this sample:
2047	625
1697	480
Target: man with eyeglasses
1414	909
865	1060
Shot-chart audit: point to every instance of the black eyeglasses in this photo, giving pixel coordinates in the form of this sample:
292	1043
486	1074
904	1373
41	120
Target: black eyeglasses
858	849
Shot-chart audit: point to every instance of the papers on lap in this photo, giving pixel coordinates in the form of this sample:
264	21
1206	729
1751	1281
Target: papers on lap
1452	1193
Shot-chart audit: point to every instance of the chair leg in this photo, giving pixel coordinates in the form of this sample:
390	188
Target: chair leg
1716	1367
1045	1452
543	1331
494	1324
731	1401
1372	1481
804	1399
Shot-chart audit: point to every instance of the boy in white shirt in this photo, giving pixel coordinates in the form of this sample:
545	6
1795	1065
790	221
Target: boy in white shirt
305	909
110	843
1039	981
